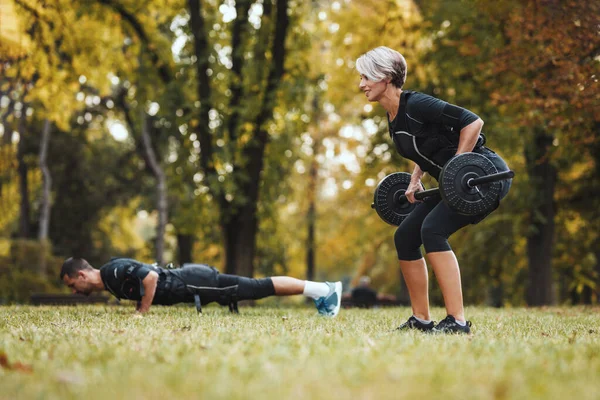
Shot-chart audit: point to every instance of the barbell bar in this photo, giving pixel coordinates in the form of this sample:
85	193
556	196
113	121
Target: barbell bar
471	183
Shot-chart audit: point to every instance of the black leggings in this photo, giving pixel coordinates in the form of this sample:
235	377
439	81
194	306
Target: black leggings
432	222
248	288
204	276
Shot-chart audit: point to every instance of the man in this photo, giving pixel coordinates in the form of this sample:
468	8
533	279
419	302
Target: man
363	295
148	284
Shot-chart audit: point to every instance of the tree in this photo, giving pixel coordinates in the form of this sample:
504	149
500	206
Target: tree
549	49
234	180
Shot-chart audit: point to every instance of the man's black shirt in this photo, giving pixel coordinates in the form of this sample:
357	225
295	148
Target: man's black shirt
123	277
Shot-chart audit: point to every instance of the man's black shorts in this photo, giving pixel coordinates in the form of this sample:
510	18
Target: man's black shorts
177	285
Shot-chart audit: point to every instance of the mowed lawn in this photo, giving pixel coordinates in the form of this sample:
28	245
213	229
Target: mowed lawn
103	352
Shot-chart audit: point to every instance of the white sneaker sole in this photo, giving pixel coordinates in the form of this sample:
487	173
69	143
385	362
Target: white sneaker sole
338	290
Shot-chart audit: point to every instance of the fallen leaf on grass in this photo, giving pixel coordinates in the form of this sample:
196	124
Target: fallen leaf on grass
19	367
3	360
28	369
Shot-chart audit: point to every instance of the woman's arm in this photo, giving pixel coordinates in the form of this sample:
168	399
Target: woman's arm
468	136
415	184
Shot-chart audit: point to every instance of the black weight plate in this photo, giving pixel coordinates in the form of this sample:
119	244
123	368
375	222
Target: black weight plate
458	195
385	200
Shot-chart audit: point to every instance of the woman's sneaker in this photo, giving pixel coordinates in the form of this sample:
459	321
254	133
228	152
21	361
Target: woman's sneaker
449	325
414	323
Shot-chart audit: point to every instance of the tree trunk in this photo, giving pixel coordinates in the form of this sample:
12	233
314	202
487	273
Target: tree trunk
7	135
313	181
7	170
595	150
586	295
204	90
239	225
161	189
540	240
185	246
311	214
46	185
254	152
496	288
597	254
25	207
496	296
46	192
239	27
240	242
311	222
310	240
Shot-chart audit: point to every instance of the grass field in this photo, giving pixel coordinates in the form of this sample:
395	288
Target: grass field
100	352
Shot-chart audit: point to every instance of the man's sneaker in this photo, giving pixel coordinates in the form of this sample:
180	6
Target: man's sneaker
414	323
330	305
449	325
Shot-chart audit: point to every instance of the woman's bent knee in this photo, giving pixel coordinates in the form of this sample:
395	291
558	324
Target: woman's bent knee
408	244
433	239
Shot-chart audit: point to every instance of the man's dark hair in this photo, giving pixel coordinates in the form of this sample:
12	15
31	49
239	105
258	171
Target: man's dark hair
73	265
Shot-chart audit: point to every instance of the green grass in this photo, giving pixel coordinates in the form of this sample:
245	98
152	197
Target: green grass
98	352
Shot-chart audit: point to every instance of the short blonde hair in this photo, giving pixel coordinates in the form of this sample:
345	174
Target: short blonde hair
381	63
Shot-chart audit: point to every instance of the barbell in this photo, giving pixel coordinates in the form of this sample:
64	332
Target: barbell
470	184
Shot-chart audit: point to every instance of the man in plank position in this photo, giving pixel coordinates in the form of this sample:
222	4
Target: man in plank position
149	284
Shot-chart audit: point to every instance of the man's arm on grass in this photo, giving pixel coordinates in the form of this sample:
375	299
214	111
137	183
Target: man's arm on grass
150	282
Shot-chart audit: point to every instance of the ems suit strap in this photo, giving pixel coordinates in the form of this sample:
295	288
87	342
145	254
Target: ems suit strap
401	117
130	271
198	303
226	295
451	115
233	302
106	279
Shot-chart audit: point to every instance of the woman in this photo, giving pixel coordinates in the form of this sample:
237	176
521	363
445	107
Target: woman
429	132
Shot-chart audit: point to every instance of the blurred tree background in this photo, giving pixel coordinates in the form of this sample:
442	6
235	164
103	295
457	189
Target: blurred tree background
233	133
